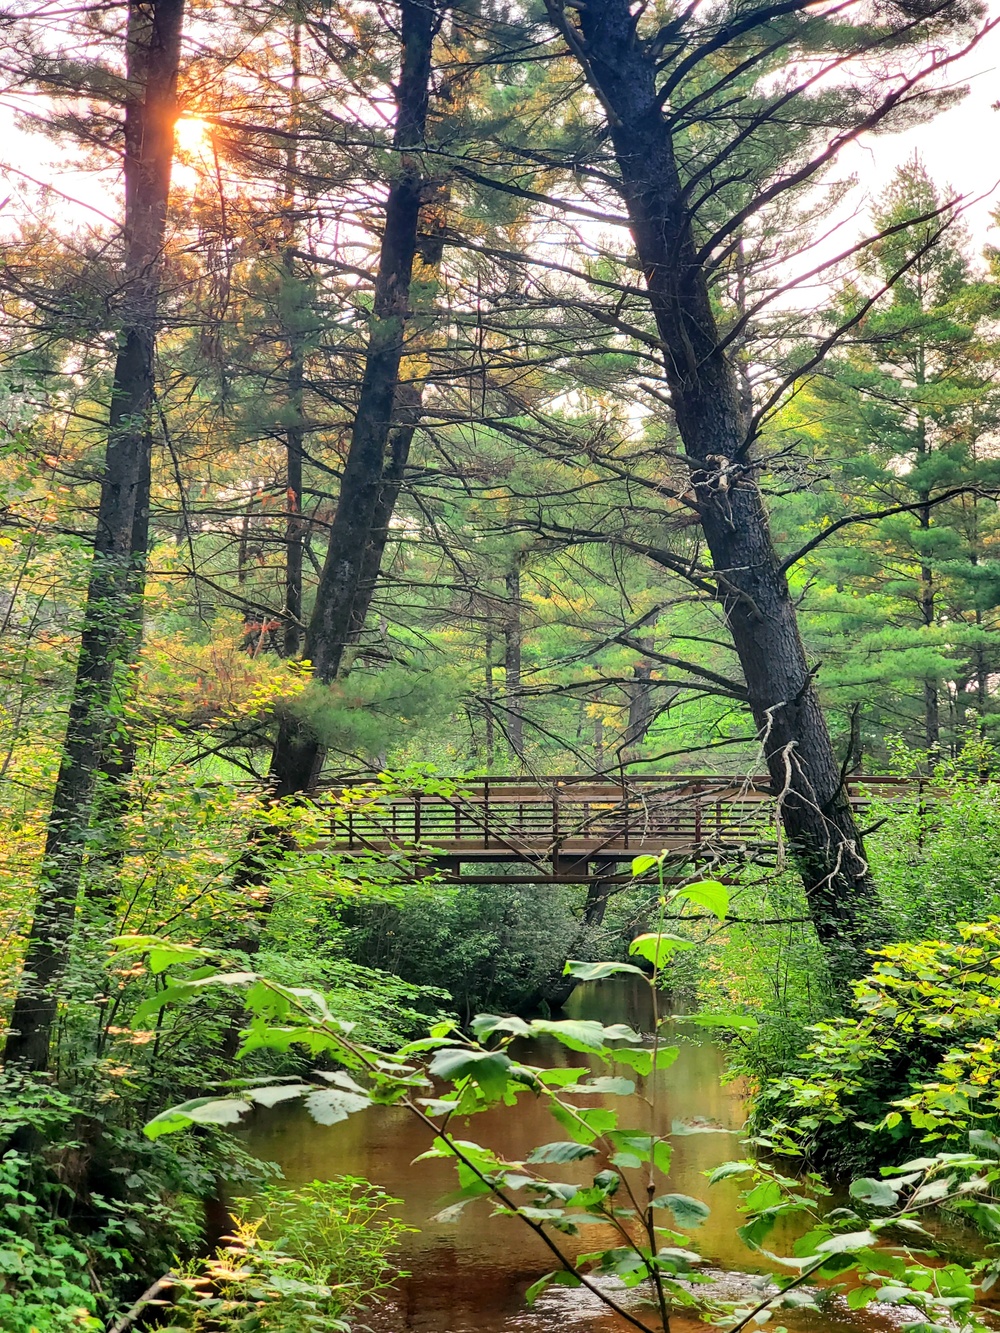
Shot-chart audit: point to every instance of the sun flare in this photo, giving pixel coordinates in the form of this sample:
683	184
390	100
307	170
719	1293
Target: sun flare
193	135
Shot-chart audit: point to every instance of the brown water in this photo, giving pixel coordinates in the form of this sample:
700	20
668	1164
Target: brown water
470	1276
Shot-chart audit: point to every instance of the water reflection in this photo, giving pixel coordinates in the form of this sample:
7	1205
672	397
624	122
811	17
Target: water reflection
470	1276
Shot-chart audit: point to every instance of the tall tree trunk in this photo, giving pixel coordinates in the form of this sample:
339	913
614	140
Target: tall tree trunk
932	711
152	57
489	693
294	433
641	712
715	428
294	524
118	761
409	400
512	632
598	734
298	754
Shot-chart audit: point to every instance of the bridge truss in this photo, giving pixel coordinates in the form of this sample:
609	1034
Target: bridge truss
573	829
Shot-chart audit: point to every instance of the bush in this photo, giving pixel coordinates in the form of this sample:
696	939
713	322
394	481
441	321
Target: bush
299	1260
44	1285
917	1062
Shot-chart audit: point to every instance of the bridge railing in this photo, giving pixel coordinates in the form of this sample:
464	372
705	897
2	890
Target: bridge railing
573	814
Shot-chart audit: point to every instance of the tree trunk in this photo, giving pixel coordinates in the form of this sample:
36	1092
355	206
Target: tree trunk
294	434
488	693
118	762
409	400
714	426
512	663
298	755
932	710
153	53
641	712
294	525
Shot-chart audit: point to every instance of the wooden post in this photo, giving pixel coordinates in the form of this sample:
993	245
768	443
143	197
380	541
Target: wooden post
486	812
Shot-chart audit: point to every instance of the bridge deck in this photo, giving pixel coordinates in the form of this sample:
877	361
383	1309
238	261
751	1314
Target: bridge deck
577	826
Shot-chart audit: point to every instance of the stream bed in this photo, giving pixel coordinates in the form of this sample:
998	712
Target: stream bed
471	1276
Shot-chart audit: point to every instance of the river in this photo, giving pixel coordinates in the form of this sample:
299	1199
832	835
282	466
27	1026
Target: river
470	1276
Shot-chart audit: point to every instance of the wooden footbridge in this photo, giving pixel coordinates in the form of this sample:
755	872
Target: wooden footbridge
574	829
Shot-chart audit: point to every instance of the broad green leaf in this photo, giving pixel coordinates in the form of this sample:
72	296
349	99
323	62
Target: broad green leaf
483	1025
658	949
639	1060
620	1032
619	1087
271	1096
159	1000
876	1193
849	1243
560	1077
329	1106
587	1123
560	1278
201	1111
982	1141
598	971
934	1189
162	956
687	1212
643	864
729	1169
985	1215
859	1297
916	1164
561	1152
342	1080
577	1034
893	1295
633	1148
663	1155
707	893
490	1070
438	1105
765	1194
162	953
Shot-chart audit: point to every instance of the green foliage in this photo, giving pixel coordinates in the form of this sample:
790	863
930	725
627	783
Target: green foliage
83	1219
916	1062
485	1071
299	1260
886	1250
938	858
44	1282
489	946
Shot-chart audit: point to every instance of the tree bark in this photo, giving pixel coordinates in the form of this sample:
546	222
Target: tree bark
714	426
641	711
111	799
152	58
298	755
512	663
488	692
409	400
294	434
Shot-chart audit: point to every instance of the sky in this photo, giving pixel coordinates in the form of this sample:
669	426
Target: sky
961	149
